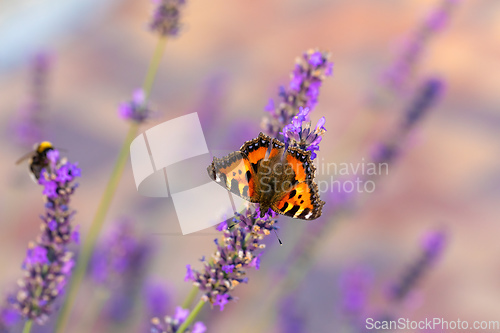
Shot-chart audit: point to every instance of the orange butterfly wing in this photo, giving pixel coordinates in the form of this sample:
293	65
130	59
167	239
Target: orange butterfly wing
237	171
302	201
232	173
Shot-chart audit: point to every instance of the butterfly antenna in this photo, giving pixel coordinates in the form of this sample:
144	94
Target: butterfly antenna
279	240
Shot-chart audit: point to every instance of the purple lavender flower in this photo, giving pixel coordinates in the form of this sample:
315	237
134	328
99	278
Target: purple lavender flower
433	246
28	126
299	134
291	320
166	17
355	283
119	263
48	262
157	298
398	76
302	93
137	109
425	99
9	316
234	254
171	325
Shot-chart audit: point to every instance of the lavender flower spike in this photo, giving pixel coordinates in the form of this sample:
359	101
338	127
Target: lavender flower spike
303	91
48	262
433	246
426	97
235	253
166	17
398	76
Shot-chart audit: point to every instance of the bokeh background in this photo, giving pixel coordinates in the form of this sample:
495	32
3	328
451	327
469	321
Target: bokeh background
228	60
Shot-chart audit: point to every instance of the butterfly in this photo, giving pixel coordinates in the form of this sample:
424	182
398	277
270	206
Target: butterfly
263	172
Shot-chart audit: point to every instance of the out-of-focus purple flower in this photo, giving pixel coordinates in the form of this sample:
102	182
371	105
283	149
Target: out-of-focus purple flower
181	314
299	134
157	298
355	283
291	320
221	300
302	94
48	262
137	109
270	105
199	327
433	246
9	316
28	125
189	273
119	263
171	325
36	255
426	97
166	17
399	75
119	254
75	235
228	269
235	252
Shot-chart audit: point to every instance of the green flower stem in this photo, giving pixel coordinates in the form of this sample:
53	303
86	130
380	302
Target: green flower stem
109	192
27	326
190	298
192	316
153	66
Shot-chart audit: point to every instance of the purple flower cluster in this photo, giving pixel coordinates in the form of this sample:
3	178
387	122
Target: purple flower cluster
398	75
302	92
137	109
166	17
48	262
433	246
235	252
299	134
171	325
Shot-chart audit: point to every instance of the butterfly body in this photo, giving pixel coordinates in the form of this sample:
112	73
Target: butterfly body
263	172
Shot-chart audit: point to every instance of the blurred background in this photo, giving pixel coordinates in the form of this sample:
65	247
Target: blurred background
228	60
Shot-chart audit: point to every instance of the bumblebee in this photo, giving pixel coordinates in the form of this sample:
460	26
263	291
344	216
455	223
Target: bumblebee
38	159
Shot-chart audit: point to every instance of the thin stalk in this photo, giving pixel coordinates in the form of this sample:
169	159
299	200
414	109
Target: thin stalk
109	192
190	298
27	326
192	316
153	66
